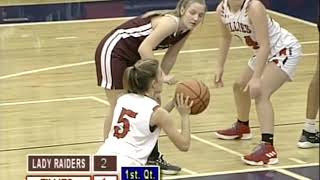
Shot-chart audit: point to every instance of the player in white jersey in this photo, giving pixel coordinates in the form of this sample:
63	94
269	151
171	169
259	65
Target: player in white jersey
310	136
138	118
276	53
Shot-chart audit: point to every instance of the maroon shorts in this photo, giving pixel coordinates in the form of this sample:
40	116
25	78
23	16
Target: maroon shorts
109	68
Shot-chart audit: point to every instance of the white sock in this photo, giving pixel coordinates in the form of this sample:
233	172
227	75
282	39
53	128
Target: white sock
310	126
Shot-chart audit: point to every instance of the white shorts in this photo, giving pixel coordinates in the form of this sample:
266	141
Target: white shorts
287	59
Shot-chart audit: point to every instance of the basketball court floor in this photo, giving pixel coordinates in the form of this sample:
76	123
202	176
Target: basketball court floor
50	104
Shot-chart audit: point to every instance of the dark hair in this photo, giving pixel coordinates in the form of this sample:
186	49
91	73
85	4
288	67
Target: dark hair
138	77
182	4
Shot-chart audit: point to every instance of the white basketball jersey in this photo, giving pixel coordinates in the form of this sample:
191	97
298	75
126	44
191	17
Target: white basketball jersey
239	25
130	135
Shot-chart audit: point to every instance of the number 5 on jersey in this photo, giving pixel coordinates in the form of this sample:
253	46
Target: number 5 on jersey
122	132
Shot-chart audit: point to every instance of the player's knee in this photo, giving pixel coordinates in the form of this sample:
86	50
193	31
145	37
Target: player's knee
263	96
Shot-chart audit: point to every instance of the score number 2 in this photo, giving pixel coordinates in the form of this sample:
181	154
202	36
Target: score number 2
105	163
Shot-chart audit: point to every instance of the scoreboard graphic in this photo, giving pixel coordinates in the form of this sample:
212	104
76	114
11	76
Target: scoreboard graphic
85	167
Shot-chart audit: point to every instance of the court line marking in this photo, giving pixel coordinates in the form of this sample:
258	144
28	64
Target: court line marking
45	69
297	160
21	128
50	146
66	22
232	48
216	145
156	54
257	169
47	101
44	101
293	18
189	171
310	54
100	100
66	37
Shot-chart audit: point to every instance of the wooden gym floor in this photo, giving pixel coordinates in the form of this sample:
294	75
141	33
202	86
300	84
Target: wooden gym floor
49	101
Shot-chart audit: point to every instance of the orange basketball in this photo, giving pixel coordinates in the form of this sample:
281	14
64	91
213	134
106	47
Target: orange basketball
197	91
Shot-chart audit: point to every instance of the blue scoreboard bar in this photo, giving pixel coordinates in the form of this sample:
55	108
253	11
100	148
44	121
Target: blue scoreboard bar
140	173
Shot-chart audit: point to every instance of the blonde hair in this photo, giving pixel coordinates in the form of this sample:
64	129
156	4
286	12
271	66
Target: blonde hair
182	4
137	78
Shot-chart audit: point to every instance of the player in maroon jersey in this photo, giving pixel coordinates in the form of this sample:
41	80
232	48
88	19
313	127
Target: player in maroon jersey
137	39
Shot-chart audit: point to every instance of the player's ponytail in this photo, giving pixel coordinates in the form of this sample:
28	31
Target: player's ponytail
137	78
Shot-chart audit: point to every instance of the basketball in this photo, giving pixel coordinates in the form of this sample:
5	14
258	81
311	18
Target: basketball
197	91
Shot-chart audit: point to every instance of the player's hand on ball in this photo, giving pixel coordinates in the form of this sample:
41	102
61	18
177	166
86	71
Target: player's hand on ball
183	104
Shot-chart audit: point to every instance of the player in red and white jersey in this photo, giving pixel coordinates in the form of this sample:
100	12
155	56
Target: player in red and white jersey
137	39
276	54
138	117
239	24
132	113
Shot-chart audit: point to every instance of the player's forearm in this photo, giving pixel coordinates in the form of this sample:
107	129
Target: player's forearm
185	132
170	58
168	62
224	49
169	106
262	57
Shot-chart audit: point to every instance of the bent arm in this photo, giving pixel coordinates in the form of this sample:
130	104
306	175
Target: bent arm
165	27
171	55
182	139
225	40
169	106
258	17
